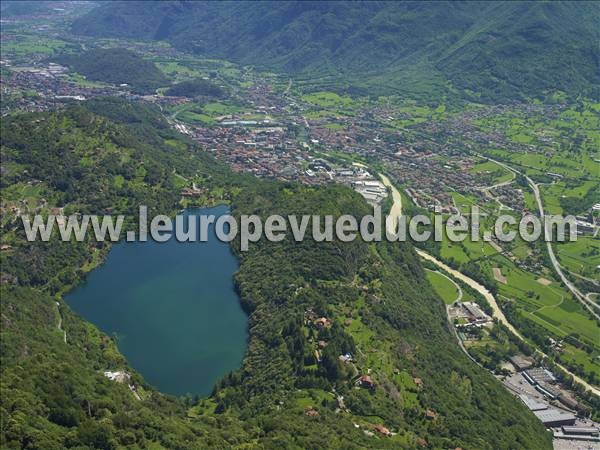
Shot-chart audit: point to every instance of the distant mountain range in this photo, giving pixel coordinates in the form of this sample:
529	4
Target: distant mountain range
487	50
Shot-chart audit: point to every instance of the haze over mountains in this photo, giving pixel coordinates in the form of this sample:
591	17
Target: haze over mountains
491	51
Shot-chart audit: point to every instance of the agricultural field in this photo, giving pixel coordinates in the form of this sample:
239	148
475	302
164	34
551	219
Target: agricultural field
549	305
82	81
327	100
496	173
25	46
467	250
206	114
177	71
581	257
413	114
579	193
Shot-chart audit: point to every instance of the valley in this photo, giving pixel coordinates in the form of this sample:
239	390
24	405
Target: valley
355	331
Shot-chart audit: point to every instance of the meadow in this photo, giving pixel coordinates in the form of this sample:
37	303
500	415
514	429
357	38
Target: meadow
581	257
443	287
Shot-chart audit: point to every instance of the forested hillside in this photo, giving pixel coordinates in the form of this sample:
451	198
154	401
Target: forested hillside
116	66
376	299
485	50
196	88
53	394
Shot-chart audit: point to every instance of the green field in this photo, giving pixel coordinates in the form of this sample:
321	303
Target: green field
550	306
177	70
325	99
497	173
579	358
581	257
22	46
443	287
467	250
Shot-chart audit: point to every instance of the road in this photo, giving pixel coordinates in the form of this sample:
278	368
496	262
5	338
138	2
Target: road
451	326
396	210
287	89
589	305
496	311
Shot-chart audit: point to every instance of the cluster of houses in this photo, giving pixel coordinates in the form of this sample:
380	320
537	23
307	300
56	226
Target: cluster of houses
120	376
266	152
48	87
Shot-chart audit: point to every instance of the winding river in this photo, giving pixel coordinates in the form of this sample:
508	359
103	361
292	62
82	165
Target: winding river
497	312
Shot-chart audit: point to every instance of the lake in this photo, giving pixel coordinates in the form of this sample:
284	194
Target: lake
173	308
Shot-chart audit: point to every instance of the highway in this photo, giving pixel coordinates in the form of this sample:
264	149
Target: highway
583	299
497	312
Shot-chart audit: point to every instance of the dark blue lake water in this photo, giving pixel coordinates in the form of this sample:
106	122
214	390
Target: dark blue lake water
173	308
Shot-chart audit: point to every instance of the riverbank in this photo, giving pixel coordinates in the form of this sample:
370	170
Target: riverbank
497	311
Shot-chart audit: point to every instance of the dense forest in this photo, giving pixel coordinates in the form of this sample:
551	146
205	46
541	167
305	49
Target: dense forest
116	66
196	88
308	304
485	51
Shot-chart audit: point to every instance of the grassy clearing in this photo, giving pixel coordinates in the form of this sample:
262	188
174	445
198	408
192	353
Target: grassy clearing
312	398
497	173
550	306
443	287
577	357
325	99
214	109
177	70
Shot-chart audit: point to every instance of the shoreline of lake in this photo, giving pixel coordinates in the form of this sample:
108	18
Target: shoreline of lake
174	308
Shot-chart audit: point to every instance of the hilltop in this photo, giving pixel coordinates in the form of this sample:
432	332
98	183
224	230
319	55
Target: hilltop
485	51
116	66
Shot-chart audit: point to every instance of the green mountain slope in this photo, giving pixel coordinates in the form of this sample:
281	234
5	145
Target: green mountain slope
109	156
22	8
496	50
116	66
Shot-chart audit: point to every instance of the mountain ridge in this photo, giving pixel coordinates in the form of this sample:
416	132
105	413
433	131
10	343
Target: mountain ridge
475	47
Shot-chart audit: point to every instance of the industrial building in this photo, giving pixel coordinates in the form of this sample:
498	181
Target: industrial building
581	431
546	390
553	417
521	362
533	404
539	375
470	311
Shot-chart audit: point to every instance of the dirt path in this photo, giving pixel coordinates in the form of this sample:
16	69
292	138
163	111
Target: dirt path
59	325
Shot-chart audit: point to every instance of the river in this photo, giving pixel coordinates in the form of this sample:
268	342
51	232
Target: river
497	312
